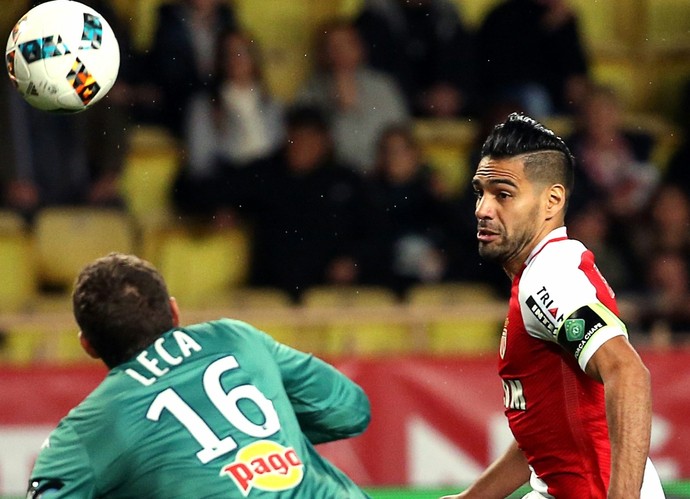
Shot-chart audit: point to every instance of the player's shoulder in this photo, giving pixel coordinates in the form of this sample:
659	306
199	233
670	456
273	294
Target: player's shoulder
556	262
226	331
223	326
554	284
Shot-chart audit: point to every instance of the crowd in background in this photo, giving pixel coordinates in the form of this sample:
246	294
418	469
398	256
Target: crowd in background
333	184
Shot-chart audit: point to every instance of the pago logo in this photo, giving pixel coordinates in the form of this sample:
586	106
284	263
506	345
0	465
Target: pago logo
265	465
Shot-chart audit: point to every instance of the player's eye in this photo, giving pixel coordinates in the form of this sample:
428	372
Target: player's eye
477	193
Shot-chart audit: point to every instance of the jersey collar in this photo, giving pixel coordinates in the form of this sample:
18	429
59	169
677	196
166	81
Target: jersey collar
559	234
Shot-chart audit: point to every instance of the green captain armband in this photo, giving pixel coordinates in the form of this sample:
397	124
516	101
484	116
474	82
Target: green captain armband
578	328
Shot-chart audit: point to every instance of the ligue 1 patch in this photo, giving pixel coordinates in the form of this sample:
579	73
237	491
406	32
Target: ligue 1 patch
574	329
265	465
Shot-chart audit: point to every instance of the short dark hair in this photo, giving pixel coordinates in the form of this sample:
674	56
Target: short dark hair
547	158
122	305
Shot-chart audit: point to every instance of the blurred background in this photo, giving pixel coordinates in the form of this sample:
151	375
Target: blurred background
303	165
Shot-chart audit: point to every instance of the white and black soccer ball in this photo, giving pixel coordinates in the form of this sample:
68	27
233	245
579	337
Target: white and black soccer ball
62	56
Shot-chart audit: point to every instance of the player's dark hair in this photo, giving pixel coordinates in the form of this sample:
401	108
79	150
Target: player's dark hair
122	305
546	157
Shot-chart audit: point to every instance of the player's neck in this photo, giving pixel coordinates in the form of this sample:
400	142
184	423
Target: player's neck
514	266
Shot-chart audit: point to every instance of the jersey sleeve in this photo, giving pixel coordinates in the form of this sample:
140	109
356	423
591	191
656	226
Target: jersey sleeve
566	300
329	406
62	468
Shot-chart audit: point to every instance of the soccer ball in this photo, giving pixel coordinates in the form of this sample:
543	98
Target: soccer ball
62	56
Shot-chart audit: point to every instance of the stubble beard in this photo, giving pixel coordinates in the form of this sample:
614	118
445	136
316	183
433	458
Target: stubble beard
493	252
504	249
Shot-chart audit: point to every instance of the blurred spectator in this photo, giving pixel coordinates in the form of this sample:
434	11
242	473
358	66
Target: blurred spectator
592	226
678	171
664	228
184	53
492	113
360	102
612	162
665	314
52	165
424	46
231	124
530	51
414	216
310	216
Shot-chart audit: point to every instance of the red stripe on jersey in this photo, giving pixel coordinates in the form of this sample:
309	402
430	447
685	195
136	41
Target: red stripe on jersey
604	292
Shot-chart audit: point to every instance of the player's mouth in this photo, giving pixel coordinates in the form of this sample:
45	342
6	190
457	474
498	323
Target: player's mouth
485	235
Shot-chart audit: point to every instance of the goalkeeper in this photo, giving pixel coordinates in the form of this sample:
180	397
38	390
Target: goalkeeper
217	409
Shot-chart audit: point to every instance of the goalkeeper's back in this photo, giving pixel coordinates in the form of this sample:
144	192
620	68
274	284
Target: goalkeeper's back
217	409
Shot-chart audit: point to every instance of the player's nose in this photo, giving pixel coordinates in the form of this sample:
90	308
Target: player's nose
484	208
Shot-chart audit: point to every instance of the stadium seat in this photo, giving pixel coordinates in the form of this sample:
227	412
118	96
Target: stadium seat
27	343
22	345
348	296
356	320
148	175
11	222
446	147
66	346
16	264
202	265
287	42
474	11
455	333
68	238
267	309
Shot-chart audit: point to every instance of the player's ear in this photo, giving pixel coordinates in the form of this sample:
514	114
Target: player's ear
87	346
555	200
175	309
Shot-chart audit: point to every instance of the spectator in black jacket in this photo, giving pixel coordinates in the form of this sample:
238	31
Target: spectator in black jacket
530	50
678	171
414	216
613	161
184	53
311	218
425	47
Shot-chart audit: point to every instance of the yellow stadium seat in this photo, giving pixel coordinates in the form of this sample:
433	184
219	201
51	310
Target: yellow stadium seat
34	343
23	345
17	267
446	147
355	320
147	179
286	43
348	296
254	298
11	222
450	293
68	238
66	346
266	309
453	333
202	266
668	23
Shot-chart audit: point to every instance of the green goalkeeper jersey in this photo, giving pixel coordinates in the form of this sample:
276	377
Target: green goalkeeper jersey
214	410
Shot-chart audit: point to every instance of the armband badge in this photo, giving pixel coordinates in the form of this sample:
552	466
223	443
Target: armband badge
581	325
